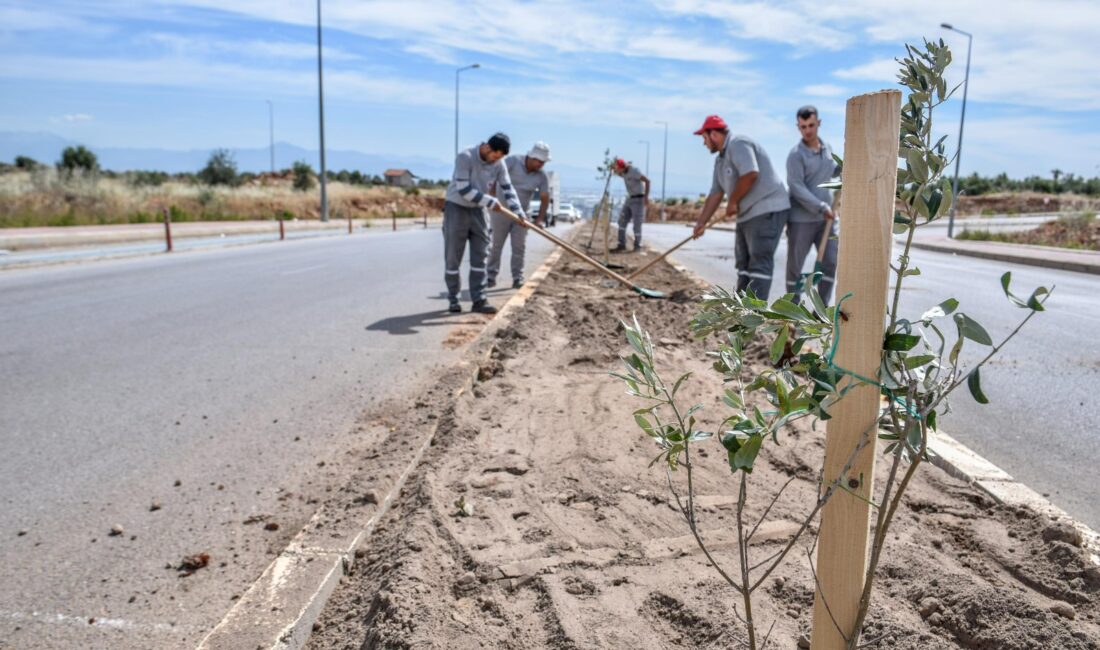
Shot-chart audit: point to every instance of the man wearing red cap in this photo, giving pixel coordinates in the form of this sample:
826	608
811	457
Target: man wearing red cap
743	173
637	190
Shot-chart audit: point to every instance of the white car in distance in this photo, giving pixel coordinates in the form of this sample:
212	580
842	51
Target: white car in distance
568	212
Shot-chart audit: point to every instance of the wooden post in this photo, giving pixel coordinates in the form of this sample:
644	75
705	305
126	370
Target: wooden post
282	228
871	129
167	231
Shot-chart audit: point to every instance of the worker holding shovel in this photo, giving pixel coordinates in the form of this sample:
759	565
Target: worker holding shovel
464	219
813	222
527	179
756	197
637	190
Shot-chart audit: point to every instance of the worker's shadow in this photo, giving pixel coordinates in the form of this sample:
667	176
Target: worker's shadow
413	323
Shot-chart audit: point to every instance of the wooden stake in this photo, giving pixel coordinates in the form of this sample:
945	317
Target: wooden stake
871	129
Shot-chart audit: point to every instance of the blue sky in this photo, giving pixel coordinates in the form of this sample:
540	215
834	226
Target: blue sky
186	74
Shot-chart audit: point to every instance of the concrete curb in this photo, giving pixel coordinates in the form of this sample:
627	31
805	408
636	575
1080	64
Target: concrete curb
279	609
1052	261
965	464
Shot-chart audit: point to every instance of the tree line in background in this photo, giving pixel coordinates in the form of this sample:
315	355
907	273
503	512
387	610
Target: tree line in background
220	169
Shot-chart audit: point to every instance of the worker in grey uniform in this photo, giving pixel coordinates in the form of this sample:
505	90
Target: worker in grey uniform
743	173
809	164
527	179
637	191
478	170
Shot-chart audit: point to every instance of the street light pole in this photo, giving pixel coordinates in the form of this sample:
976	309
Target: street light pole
469	67
271	131
321	121
664	168
962	121
646	143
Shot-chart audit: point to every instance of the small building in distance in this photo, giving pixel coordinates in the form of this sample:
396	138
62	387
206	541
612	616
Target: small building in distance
400	178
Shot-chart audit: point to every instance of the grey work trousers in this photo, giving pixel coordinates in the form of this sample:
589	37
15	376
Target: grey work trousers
754	251
503	229
633	210
801	237
461	225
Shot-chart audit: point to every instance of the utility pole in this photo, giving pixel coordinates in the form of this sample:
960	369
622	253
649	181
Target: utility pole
664	168
962	121
469	67
646	143
271	131
321	113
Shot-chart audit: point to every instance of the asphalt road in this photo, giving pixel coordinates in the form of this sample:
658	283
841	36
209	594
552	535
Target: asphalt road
235	372
1041	423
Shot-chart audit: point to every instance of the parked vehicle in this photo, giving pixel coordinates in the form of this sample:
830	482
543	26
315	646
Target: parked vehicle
568	212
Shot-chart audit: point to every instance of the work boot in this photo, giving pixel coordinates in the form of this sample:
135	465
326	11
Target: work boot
618	249
637	248
491	282
517	283
483	307
455	307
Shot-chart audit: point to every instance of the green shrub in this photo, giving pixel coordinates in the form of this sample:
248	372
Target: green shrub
412	191
27	163
77	158
304	178
221	169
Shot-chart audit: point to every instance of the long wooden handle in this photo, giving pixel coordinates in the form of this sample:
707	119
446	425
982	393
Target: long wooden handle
569	247
660	257
665	254
824	243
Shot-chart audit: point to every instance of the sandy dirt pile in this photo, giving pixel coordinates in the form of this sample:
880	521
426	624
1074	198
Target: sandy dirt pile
1078	232
534	522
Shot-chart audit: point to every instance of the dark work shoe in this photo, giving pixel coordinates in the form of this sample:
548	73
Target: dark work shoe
618	249
455	307
491	282
637	248
517	283
483	307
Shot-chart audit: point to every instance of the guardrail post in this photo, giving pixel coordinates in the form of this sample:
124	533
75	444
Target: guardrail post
167	231
282	228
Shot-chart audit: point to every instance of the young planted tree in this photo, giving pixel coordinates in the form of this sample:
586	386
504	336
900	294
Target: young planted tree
921	365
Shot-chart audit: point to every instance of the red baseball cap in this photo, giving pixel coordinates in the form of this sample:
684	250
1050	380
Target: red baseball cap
713	122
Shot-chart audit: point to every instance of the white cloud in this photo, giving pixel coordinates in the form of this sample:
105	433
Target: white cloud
797	24
508	28
823	90
77	117
205	46
212	76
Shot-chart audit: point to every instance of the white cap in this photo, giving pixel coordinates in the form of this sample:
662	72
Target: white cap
541	151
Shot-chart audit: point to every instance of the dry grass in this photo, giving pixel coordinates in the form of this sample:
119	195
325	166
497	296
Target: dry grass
43	198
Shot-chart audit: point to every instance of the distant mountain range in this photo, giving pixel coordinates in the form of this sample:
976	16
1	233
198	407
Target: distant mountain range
46	148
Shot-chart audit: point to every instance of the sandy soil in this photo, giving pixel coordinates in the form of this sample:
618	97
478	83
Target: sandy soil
534	521
1079	233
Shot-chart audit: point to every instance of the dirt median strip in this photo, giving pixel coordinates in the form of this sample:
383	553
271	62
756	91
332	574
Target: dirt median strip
280	608
534	520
